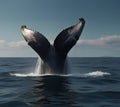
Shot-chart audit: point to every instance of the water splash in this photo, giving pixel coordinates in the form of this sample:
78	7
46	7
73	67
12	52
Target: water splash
38	67
24	75
38	72
89	74
94	74
97	74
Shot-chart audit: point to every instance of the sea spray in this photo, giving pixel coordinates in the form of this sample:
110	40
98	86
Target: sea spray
36	72
38	67
97	74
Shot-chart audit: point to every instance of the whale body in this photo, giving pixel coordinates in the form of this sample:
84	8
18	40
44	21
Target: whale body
53	56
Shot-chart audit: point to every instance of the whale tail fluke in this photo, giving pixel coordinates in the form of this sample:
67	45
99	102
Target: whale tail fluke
62	44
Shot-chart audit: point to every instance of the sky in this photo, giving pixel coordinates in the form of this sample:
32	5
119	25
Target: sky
100	36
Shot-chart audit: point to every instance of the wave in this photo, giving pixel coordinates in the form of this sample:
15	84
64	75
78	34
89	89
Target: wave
90	74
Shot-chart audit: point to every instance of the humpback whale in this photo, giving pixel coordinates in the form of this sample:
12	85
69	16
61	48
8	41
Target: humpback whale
53	56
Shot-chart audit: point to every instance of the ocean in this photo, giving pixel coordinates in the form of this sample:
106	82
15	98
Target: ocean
91	82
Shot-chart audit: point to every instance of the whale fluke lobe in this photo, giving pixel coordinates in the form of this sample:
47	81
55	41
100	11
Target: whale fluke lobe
37	41
54	55
68	38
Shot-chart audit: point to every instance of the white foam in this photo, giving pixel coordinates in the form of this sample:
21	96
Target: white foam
90	74
23	75
97	74
36	75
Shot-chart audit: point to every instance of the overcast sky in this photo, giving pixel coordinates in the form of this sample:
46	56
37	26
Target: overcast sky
100	37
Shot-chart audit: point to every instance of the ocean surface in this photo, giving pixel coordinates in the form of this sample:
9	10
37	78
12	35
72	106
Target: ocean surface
91	82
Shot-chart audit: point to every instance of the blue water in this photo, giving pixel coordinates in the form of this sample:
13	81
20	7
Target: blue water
92	82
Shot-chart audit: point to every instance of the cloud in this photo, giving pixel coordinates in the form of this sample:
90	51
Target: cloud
103	46
17	44
15	49
103	41
13	44
2	43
